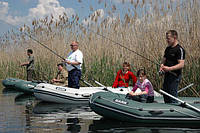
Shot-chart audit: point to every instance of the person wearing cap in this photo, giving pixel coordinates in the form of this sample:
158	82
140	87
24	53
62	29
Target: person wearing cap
61	77
74	62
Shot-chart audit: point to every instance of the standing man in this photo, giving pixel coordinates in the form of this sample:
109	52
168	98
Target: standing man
172	64
29	65
74	62
61	77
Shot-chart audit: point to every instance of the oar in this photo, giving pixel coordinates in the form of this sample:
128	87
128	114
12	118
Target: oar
155	92
185	88
99	83
104	87
183	102
86	82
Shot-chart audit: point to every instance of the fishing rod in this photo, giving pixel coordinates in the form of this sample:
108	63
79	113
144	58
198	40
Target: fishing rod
41	44
160	72
35	40
120	45
46	48
44	45
95	33
156	63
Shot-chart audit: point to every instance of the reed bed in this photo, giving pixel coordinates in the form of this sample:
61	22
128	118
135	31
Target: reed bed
142	29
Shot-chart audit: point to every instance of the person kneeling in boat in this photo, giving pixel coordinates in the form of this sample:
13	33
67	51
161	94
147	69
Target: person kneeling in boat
61	78
143	89
123	77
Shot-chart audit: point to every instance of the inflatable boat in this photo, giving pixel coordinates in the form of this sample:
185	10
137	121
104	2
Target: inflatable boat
119	107
60	94
19	85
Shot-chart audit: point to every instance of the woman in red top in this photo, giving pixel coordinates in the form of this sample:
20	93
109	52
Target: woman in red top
123	76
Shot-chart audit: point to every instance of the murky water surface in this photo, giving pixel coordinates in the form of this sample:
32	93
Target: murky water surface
23	113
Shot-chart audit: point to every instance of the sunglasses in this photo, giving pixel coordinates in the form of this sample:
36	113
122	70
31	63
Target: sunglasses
73	45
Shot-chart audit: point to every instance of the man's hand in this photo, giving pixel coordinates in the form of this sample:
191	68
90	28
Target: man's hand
164	68
68	62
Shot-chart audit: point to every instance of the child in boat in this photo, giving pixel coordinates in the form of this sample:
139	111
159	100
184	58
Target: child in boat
145	87
123	77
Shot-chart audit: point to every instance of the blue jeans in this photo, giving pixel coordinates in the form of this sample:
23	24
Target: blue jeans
73	78
170	86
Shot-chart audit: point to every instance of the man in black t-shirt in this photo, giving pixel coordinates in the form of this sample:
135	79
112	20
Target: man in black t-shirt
172	64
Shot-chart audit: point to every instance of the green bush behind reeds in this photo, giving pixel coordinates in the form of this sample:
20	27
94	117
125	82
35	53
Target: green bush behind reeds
142	30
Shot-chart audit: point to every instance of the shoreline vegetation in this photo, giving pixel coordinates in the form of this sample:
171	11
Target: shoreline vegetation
142	29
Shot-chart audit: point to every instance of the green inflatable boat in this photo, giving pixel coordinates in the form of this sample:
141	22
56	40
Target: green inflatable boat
119	107
19	85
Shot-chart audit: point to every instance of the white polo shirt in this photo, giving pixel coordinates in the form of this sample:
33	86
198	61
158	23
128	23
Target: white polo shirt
74	56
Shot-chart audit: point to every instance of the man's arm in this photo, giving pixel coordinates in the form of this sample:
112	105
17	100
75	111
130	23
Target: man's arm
72	63
178	66
28	62
175	67
24	64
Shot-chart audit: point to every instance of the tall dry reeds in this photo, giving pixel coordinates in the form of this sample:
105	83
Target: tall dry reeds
142	29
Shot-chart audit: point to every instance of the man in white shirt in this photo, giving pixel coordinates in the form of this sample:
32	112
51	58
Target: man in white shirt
74	62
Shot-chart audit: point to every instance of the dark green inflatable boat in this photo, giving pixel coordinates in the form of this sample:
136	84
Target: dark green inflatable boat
19	85
117	106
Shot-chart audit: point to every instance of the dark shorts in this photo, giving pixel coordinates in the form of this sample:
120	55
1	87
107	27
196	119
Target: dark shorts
170	86
73	78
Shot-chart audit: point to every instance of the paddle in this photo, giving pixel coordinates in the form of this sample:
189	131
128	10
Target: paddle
86	83
104	87
183	102
185	88
99	83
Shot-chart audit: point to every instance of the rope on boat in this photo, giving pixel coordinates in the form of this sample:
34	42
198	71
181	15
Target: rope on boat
142	109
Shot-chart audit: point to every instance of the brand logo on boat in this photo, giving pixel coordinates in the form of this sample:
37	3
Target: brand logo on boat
60	89
30	85
120	101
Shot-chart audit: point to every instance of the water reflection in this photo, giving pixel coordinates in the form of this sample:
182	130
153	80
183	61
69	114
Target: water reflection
70	117
52	108
23	113
112	126
9	91
24	99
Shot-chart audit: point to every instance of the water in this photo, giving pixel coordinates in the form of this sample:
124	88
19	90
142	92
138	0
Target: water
21	113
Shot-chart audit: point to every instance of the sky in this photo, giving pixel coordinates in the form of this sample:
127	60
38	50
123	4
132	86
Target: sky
15	13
